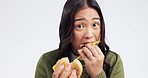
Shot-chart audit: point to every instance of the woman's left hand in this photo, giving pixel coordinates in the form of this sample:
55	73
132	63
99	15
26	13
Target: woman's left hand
93	58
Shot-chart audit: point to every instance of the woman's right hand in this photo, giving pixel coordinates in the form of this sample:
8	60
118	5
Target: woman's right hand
65	73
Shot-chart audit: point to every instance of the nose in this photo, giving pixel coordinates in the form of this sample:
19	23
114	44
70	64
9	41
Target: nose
88	34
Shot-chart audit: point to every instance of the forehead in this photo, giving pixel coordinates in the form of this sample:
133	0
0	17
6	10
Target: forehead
87	13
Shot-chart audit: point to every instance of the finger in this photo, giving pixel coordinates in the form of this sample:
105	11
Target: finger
92	50
82	55
98	50
87	52
57	71
66	72
73	74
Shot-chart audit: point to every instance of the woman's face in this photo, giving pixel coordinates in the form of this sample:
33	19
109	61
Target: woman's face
86	27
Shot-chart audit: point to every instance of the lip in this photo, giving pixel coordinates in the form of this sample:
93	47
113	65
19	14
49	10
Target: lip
94	42
86	42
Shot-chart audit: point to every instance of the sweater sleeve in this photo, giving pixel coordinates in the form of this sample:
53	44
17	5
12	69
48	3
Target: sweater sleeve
40	69
43	68
101	75
117	70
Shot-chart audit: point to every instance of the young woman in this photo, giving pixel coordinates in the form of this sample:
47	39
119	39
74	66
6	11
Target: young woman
82	23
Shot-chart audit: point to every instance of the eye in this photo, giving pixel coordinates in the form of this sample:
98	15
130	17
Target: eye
80	26
96	25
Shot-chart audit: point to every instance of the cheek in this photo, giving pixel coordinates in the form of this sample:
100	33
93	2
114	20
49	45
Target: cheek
97	34
76	41
77	36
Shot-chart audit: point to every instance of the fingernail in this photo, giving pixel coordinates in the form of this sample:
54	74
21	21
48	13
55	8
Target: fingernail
74	71
80	50
69	67
62	66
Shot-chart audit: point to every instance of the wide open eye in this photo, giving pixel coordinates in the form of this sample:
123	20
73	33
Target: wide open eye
80	26
95	25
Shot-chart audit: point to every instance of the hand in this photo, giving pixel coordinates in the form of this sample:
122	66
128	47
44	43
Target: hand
60	73
93	58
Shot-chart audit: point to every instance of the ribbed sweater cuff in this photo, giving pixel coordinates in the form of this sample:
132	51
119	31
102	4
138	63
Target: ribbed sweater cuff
101	75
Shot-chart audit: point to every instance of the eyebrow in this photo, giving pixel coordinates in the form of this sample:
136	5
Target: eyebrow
79	19
96	18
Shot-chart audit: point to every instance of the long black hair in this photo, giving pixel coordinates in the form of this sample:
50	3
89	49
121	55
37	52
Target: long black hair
71	7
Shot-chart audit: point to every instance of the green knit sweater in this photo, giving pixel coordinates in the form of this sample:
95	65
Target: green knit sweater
47	60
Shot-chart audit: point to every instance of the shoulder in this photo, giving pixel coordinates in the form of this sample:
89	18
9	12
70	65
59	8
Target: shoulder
116	65
49	57
51	54
113	58
45	64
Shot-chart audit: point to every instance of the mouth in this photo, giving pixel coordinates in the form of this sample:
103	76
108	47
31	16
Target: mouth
92	43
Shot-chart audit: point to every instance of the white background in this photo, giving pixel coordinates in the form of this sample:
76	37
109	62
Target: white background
29	28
